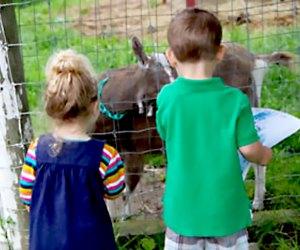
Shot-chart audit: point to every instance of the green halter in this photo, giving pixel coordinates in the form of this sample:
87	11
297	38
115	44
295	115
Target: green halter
102	107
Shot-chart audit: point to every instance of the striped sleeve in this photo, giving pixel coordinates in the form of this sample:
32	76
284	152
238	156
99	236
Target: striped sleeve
112	172
27	178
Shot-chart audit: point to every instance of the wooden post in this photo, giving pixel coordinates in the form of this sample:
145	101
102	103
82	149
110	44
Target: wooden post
190	3
15	127
17	69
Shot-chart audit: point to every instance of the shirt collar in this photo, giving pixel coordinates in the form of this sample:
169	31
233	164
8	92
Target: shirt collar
205	84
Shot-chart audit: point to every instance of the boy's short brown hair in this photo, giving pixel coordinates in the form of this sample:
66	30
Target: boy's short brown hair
194	34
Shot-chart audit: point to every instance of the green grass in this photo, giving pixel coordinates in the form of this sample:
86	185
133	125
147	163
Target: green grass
273	235
281	91
141	242
5	227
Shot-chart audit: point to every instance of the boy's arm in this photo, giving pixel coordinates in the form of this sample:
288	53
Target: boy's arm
27	177
112	172
257	153
247	139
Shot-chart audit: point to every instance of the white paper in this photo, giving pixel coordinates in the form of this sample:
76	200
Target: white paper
272	127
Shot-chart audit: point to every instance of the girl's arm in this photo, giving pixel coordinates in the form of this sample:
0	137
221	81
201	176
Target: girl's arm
113	172
27	178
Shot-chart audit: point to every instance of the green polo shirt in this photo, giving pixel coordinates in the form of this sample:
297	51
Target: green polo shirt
203	123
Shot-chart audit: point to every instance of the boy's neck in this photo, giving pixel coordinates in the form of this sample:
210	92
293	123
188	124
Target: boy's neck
196	70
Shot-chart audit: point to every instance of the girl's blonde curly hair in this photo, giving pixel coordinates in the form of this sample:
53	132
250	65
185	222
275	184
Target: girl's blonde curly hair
71	85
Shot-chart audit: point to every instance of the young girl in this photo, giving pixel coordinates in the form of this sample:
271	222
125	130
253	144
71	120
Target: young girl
66	173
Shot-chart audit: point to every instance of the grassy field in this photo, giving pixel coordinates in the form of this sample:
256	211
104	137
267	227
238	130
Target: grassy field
43	32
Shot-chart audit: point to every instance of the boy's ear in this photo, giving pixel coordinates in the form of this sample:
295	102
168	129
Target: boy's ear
220	54
171	58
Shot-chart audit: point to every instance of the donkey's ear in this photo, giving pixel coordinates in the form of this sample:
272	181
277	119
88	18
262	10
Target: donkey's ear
139	52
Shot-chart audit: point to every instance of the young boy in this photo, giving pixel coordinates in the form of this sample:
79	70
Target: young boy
204	123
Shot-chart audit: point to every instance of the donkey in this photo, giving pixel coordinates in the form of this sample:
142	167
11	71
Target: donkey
129	94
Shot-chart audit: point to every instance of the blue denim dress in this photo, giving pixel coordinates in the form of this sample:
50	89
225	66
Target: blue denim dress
68	211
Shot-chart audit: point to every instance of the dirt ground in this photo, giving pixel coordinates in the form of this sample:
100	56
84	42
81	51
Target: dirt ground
125	18
146	199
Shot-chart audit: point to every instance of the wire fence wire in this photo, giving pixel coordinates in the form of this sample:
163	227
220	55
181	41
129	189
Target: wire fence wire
102	30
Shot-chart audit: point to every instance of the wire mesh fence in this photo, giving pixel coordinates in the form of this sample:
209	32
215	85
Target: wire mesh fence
103	31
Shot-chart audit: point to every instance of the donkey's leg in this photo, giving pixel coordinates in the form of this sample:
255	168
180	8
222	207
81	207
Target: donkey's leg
134	169
112	209
258	73
120	209
260	186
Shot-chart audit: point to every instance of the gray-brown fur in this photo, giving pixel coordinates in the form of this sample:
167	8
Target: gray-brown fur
135	133
125	88
236	68
280	58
